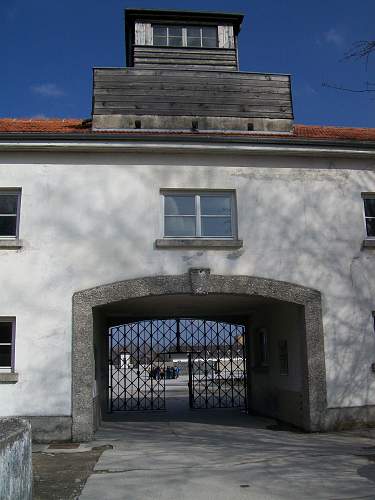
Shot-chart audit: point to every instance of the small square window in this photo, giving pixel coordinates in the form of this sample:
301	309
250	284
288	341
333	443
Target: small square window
199	215
9	213
7	335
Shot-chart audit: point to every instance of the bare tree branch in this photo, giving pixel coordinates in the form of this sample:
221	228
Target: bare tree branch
360	50
340	87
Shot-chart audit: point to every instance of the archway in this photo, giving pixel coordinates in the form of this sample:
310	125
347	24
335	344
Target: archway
198	283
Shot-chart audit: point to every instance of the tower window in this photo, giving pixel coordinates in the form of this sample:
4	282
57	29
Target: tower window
204	36
168	35
185	36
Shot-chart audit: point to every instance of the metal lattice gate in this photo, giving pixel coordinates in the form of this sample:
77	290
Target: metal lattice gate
144	353
217	364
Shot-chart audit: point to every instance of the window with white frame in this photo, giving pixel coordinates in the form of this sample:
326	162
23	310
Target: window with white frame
7	336
201	36
199	214
369	209
9	213
185	36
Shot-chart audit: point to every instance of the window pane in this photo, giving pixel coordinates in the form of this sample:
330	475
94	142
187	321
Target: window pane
209	42
370	207
175	31
8	226
193	36
209	36
193	42
175	36
209	32
215	205
5	355
160	40
216	226
179	226
160	35
179	205
193	31
175	41
8	203
370	226
159	30
5	332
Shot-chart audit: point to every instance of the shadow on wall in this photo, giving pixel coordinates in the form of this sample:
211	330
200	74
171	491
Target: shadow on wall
97	224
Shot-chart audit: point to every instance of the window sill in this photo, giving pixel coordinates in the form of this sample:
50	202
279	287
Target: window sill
6	244
198	243
368	243
8	377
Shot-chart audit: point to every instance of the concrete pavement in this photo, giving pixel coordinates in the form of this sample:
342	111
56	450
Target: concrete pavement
227	455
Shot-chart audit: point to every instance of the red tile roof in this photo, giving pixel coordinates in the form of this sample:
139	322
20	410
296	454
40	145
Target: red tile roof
38	125
69	126
348	133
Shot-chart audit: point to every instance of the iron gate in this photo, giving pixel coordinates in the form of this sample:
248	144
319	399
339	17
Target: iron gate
217	364
142	357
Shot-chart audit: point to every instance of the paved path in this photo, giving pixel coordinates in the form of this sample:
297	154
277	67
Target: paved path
227	455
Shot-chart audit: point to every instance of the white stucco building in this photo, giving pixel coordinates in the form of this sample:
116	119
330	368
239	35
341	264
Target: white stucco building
182	199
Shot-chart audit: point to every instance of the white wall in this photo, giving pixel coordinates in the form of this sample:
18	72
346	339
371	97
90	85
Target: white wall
92	219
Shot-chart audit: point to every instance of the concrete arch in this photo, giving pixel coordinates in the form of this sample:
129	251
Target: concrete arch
195	282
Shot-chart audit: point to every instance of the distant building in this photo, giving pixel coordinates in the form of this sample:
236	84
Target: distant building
190	193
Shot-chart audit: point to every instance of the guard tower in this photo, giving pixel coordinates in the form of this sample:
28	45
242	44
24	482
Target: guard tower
183	74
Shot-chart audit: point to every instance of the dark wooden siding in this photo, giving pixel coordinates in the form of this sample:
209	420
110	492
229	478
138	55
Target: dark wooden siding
191	93
189	58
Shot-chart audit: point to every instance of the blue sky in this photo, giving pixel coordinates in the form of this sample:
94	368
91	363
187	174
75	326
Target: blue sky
48	49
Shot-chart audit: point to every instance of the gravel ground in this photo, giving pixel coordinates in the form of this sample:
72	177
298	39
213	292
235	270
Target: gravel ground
62	476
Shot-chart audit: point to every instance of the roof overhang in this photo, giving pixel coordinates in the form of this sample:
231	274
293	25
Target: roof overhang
183	16
102	143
